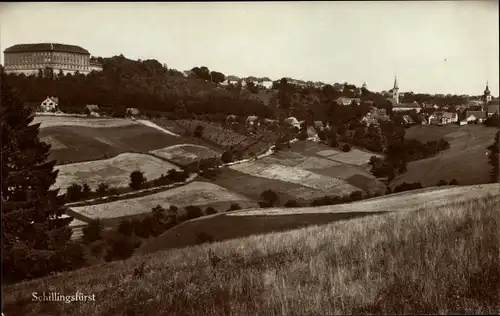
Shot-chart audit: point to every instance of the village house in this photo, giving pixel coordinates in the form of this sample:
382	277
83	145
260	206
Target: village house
292	121
401	107
449	118
368	119
408	120
93	109
475	116
132	111
50	104
252	122
347	101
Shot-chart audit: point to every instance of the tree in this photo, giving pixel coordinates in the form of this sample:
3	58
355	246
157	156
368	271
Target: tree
210	210
125	227
291	203
454	182
73	193
92	231
33	232
270	197
102	189
86	190
217	77
227	156
233	207
137	180
346	148
198	131
193	211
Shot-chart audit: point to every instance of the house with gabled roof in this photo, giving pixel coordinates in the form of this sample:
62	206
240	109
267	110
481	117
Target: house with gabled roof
476	116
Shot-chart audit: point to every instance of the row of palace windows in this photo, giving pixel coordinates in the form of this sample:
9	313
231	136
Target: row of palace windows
38	66
40	57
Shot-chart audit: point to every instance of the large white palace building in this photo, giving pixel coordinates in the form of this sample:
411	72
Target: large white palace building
30	58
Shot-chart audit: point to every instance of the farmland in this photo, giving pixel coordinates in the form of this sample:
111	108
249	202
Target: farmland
49	121
115	171
185	154
466	160
365	265
306	171
83	143
194	193
247	222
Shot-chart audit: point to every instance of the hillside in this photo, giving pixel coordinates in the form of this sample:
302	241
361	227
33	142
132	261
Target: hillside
466	160
437	260
251	222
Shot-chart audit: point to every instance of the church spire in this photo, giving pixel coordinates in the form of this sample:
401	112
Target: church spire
396	83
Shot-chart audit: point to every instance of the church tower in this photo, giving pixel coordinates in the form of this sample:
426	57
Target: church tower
487	94
395	91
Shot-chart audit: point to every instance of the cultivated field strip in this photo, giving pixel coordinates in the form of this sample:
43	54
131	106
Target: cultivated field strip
48	121
290	174
184	153
114	171
194	193
398	202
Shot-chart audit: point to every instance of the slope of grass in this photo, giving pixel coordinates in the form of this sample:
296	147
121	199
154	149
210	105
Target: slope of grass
466	160
84	143
430	261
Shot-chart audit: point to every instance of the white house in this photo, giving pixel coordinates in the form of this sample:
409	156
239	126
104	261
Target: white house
268	84
132	111
252	121
473	116
50	104
449	117
463	122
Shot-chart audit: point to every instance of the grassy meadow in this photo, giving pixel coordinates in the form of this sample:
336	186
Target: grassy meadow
432	261
466	160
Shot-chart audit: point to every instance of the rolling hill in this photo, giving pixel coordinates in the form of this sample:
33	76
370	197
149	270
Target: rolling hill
440	259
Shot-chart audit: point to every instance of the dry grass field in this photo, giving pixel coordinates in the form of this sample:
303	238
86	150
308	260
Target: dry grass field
114	171
83	143
257	221
433	261
185	154
194	193
466	160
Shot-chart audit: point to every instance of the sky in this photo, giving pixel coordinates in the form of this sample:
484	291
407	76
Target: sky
431	46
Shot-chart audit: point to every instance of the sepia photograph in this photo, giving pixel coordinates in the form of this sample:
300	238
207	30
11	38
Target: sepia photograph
250	158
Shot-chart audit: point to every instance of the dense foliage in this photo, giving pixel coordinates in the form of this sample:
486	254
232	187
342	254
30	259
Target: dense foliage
35	238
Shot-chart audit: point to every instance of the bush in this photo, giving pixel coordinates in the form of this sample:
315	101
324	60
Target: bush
234	207
346	148
121	249
198	131
291	203
227	156
92	231
86	191
102	189
125	227
270	197
137	180
203	237
140	229
210	210
441	183
454	182
193	211
74	193
356	195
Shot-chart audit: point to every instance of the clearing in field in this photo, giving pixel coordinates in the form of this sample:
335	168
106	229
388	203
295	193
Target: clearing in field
466	160
194	193
92	143
114	171
184	154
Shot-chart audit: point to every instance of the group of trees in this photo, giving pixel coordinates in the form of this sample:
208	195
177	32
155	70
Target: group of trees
76	192
36	239
146	85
